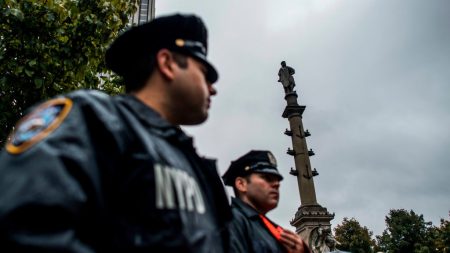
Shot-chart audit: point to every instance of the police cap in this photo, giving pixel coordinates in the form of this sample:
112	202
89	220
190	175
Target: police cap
254	161
185	34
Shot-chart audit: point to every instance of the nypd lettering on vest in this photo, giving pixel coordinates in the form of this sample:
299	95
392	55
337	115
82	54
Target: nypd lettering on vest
176	187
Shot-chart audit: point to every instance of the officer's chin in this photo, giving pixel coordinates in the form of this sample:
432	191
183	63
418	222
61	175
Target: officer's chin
195	120
273	202
271	206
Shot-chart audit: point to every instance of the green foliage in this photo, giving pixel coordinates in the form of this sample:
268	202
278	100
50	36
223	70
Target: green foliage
442	236
406	232
353	237
48	47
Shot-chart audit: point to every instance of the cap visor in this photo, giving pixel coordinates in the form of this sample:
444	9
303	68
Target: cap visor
211	76
269	170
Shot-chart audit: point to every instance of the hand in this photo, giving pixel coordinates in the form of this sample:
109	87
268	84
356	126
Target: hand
293	242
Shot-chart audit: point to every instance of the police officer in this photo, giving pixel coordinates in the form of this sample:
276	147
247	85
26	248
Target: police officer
255	181
86	172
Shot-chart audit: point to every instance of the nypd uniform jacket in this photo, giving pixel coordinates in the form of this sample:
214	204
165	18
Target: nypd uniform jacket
248	233
91	173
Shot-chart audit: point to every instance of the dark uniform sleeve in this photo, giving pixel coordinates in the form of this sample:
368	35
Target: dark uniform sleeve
49	193
239	233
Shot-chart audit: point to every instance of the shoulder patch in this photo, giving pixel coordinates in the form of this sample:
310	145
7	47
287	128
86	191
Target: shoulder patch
38	124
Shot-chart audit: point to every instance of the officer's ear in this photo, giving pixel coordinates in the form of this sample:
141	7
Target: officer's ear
241	184
165	63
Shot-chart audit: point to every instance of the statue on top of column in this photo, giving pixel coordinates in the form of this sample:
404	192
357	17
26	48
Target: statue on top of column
285	77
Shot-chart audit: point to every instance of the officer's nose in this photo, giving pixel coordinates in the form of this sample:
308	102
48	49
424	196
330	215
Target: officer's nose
276	184
212	90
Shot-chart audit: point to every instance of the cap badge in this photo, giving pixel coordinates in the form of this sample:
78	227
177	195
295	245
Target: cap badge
272	159
196	45
179	42
38	124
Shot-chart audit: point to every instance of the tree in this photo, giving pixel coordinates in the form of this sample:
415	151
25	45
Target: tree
442	236
353	237
406	232
48	47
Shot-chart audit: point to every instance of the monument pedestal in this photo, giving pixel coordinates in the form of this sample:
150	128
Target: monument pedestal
309	217
312	223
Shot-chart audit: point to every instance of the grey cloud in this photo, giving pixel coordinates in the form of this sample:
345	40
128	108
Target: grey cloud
374	76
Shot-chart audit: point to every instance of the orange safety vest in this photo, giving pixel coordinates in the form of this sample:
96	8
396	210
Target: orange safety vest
274	230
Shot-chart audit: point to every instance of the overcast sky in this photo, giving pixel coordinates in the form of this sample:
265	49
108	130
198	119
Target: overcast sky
375	78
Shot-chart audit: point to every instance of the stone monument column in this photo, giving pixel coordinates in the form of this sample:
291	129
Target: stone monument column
312	221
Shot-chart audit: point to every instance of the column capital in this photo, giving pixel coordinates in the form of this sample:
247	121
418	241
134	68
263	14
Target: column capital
291	110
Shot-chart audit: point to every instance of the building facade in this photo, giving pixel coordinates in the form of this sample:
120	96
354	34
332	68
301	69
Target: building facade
145	12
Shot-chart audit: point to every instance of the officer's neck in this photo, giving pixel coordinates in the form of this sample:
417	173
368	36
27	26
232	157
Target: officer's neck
259	209
154	95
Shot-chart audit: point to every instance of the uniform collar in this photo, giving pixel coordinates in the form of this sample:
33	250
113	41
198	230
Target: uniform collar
151	118
245	208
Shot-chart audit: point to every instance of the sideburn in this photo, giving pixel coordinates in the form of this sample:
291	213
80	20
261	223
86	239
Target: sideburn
180	59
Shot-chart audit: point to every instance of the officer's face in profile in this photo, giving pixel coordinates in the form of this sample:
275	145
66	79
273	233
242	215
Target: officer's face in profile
191	93
262	191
